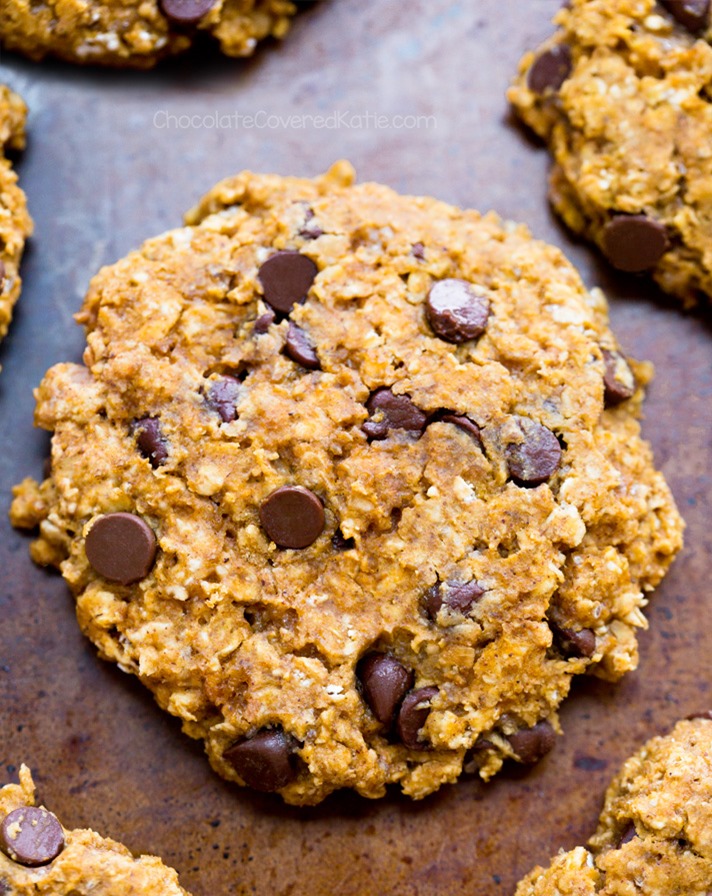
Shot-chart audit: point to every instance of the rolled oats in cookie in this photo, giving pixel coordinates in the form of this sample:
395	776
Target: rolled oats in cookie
372	570
654	835
138	34
38	855
622	94
15	223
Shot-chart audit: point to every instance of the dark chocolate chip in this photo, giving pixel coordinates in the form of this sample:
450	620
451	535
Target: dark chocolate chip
286	278
310	230
417	250
412	716
263	322
691	14
265	761
700	715
31	836
618	380
634	243
573	643
534	458
627	834
385	682
389	411
457	310
530	744
292	516
222	397
300	348
550	69
457	596
464	423
339	543
121	547
186	12
150	440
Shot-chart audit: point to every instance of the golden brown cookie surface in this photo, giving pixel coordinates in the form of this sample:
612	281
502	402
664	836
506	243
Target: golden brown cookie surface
622	96
354	483
654	836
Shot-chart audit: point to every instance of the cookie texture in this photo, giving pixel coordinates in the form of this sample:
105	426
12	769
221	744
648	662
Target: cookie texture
15	223
654	836
39	856
622	94
137	34
379	462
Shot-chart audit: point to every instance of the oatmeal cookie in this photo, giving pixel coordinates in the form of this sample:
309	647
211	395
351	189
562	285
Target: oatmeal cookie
654	835
137	33
622	94
39	856
354	483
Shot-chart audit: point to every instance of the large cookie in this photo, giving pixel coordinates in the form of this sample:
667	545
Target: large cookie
622	94
654	835
354	483
39	856
137	33
15	223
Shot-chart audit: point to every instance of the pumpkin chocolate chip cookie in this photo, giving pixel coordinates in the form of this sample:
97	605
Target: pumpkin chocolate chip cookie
354	483
15	223
654	835
137	34
622	94
38	855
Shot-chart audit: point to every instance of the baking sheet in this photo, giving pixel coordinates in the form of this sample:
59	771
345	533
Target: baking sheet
413	95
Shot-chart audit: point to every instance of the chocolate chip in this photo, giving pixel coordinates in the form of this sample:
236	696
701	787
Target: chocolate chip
530	744
550	69
31	836
339	543
222	396
465	424
185	12
121	547
389	411
2	275
534	457
417	250
700	715
573	643
310	230
292	516
618	380
627	834
299	348
456	596
691	14
634	243
286	278
265	761
385	682
263	322
412	716
150	440
457	310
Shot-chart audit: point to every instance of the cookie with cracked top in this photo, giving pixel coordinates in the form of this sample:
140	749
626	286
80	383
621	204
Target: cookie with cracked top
621	94
350	573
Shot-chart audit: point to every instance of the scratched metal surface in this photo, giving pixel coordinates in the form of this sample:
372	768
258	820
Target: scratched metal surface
108	167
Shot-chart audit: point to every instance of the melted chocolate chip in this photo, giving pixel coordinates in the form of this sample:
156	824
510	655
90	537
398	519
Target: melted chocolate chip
457	310
292	516
550	69
618	380
185	12
459	597
535	456
389	411
121	547
412	716
691	14
531	744
384	682
634	243
266	761
339	543
286	278
465	424
263	322
150	440
299	348
31	836
627	834
222	397
573	643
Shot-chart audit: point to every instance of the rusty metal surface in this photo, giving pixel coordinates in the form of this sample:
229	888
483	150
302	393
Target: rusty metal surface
102	173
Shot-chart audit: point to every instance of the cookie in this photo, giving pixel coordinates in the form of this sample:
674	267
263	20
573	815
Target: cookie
621	94
654	835
39	855
15	223
133	34
354	483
